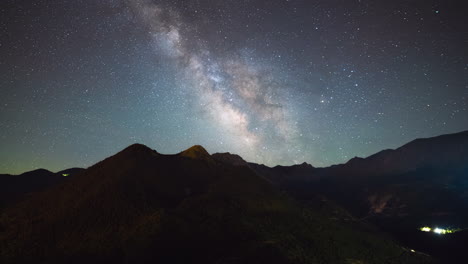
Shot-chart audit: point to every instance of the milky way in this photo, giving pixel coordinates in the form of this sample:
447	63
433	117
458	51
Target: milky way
231	91
277	82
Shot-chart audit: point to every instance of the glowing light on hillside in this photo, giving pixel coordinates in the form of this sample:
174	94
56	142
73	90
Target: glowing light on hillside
440	231
425	229
65	174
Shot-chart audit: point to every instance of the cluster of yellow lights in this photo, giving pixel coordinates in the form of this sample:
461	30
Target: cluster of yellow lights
425	229
437	230
64	174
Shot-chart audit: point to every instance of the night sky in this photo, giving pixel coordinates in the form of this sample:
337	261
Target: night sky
277	82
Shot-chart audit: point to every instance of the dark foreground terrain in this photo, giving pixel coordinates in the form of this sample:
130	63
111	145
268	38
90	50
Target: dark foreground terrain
421	184
140	206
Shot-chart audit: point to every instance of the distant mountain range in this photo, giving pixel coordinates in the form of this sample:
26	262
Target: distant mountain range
423	183
15	187
140	206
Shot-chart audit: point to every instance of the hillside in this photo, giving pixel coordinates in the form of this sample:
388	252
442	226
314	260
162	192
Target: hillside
142	206
15	187
422	183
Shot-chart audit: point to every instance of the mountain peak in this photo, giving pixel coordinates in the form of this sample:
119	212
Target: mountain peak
136	147
136	150
354	160
195	152
229	158
305	165
37	172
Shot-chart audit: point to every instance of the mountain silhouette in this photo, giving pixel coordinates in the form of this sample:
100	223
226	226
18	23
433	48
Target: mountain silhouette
284	176
422	183
278	175
196	152
229	158
437	152
140	206
412	175
16	187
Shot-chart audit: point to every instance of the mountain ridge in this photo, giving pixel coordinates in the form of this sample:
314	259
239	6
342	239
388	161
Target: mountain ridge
145	194
140	206
196	152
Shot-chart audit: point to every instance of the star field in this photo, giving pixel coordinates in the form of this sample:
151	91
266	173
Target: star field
277	82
